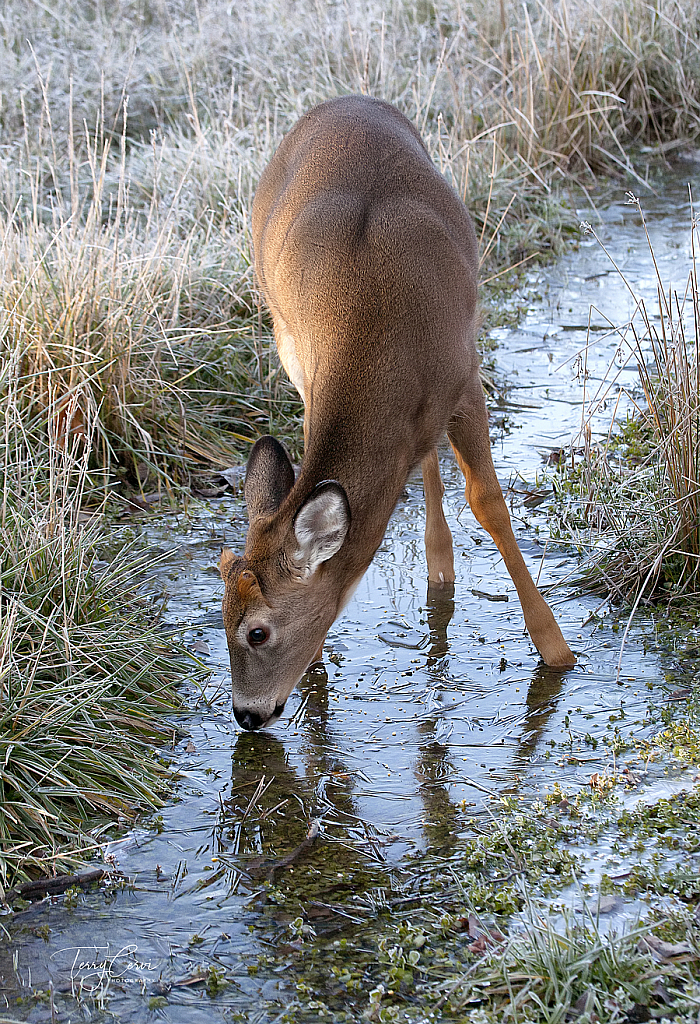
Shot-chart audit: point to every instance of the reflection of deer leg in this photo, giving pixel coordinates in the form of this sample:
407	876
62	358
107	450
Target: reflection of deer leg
541	703
439	607
441	824
469	436
438	539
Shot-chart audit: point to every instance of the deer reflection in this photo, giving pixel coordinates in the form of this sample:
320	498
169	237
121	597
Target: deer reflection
265	820
325	770
440	608
268	806
541	702
441	822
434	768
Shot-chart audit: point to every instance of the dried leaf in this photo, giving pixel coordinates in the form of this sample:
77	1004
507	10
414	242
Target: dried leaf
661	949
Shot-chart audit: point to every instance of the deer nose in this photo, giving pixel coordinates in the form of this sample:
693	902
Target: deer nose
248	719
251	720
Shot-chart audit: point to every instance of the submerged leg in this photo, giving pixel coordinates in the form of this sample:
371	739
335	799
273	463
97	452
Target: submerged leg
438	538
469	436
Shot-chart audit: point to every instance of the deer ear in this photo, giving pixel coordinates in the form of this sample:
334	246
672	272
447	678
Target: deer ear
321	525
269	477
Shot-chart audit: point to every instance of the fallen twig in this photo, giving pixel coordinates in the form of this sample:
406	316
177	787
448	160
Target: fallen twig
40	887
269	870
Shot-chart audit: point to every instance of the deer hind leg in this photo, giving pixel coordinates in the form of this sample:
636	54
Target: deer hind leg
438	538
469	436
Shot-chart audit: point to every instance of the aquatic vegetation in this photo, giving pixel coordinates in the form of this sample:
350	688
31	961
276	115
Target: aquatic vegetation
493	934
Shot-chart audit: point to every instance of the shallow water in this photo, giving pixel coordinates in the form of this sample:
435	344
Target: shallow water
431	709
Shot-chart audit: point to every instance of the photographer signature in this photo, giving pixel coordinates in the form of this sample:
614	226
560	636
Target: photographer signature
95	966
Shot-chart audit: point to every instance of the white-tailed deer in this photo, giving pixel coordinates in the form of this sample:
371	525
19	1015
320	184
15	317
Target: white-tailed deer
368	261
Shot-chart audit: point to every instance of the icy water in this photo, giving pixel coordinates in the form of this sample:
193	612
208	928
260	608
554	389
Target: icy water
428	713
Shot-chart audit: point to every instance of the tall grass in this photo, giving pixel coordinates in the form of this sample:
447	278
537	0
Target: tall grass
135	317
134	133
86	674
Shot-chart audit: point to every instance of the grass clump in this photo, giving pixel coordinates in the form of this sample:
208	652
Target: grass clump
86	675
574	970
131	320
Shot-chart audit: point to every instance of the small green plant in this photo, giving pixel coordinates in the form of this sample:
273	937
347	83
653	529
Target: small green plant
216	981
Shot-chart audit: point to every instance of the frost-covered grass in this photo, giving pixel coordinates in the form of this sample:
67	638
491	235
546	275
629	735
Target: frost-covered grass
133	135
87	676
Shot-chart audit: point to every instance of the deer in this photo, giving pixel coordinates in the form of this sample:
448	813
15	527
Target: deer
368	261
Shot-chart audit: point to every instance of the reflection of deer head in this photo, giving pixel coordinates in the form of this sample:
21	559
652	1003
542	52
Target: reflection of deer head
271	803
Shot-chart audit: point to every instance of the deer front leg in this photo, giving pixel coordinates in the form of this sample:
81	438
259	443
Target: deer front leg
318	656
438	538
469	437
287	351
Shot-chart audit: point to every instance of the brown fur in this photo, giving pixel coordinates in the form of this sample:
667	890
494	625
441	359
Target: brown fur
368	261
248	588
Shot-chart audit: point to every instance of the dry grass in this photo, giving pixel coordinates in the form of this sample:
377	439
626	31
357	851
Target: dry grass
134	133
134	318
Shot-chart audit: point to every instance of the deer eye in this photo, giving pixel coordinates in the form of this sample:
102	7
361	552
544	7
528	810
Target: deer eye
257	636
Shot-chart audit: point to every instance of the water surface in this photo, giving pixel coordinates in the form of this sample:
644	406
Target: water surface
430	710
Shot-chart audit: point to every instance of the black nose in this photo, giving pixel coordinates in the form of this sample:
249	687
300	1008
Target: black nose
248	719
